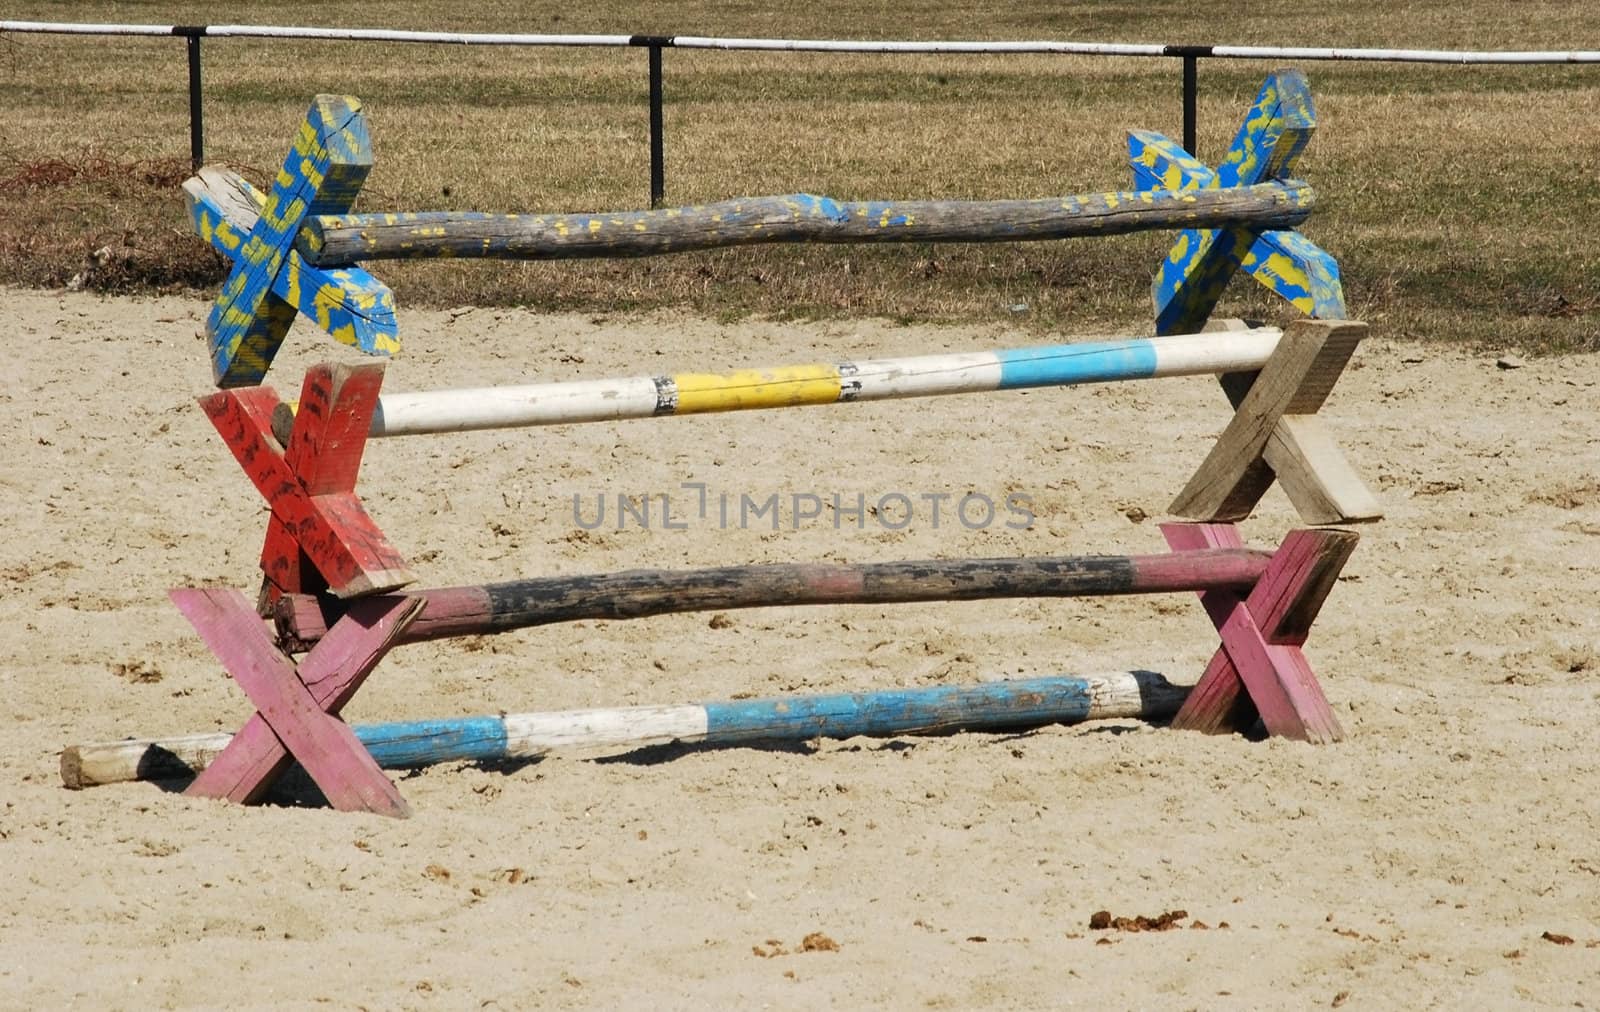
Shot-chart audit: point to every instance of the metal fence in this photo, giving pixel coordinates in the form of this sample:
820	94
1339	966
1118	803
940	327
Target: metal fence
1190	55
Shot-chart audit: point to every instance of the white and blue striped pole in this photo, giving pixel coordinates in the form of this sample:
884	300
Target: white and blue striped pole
406	745
564	403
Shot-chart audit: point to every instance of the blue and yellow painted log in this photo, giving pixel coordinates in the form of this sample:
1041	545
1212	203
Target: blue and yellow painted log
292	246
338	240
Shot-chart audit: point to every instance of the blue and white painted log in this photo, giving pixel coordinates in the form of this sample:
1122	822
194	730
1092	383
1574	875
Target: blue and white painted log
409	414
987	707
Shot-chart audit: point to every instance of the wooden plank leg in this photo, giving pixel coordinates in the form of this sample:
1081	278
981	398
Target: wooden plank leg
1218	703
297	709
269	283
311	486
1275	434
1260	669
1191	279
324	450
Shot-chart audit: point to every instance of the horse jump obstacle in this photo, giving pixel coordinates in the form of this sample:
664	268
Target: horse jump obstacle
332	575
320	539
294	246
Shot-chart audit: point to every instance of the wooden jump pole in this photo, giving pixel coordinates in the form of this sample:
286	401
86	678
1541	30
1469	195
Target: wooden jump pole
303	619
404	745
294	246
338	240
563	403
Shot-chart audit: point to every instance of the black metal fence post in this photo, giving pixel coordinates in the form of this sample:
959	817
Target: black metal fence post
197	126
1191	82
658	162
1191	76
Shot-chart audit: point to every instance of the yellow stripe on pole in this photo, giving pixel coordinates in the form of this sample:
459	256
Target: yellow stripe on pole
757	388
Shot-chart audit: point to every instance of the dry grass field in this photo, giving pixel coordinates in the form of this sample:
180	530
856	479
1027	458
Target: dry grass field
1460	201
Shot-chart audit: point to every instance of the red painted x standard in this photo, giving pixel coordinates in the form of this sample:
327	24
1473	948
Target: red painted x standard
297	708
320	534
1260	668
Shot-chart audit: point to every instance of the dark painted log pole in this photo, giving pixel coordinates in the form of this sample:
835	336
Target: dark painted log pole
331	240
303	619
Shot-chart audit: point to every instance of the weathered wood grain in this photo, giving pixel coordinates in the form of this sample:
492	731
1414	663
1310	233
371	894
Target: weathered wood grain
1260	669
1274	434
297	710
472	610
332	528
331	240
349	304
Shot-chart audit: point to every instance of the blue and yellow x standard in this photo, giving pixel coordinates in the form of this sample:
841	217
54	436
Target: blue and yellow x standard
1191	279
270	283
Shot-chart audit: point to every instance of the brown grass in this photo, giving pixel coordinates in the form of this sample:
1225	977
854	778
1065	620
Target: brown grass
1459	201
